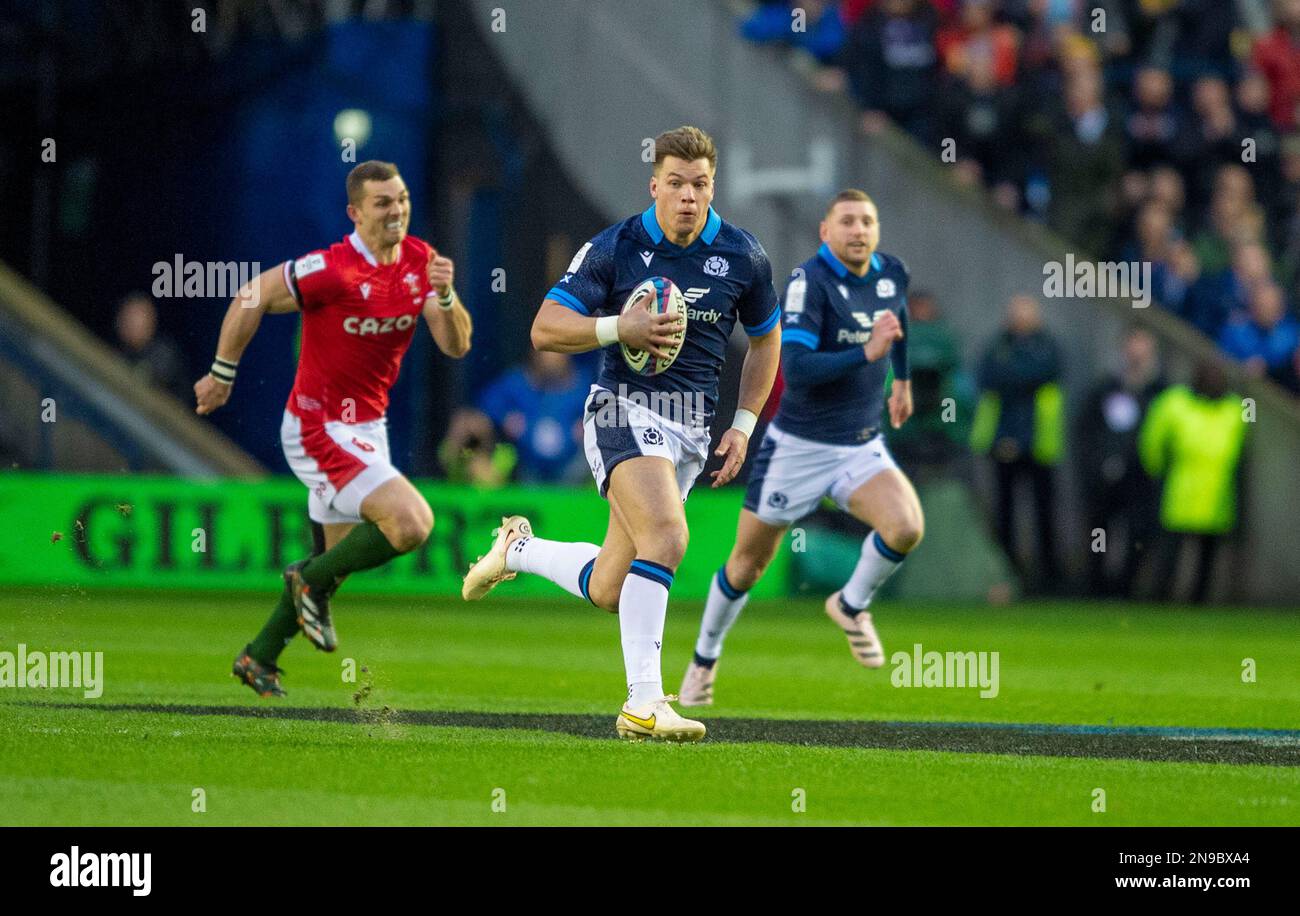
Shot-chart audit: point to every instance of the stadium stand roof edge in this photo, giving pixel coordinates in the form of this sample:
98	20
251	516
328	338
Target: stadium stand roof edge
187	435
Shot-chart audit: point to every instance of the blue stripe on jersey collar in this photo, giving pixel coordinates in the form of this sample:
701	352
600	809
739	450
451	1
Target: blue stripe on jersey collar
841	270
712	225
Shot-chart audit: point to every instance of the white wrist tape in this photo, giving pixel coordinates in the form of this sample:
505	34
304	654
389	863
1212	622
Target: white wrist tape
446	302
745	421
607	330
223	370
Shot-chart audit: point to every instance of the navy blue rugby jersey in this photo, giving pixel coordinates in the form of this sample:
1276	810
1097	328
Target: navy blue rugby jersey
832	394
724	276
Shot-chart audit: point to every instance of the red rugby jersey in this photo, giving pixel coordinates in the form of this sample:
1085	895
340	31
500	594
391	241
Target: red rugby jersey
358	317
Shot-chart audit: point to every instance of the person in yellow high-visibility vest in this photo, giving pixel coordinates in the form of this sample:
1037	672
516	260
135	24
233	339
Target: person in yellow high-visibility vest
1192	438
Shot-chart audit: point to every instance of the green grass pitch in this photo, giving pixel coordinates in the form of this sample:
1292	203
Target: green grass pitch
786	739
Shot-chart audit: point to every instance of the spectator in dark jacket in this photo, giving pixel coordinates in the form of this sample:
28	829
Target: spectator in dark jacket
892	64
1153	235
1121	500
1166	186
1212	138
1254	124
1083	150
1203	37
1153	126
982	118
154	357
1286	218
1234	217
1193	35
1019	423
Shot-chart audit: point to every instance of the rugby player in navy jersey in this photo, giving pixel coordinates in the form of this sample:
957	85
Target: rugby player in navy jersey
647	436
845	311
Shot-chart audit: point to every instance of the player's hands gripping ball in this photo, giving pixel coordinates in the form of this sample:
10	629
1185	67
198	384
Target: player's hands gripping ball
652	326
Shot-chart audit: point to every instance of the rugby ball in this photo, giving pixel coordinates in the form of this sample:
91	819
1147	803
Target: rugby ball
663	296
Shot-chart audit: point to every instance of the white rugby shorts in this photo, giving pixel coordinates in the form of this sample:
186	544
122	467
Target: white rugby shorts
613	434
791	475
339	463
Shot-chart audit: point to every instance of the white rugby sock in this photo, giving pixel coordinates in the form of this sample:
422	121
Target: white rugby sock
876	563
720	612
563	562
642	609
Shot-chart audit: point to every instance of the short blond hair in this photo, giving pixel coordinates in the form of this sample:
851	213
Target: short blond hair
846	195
686	143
